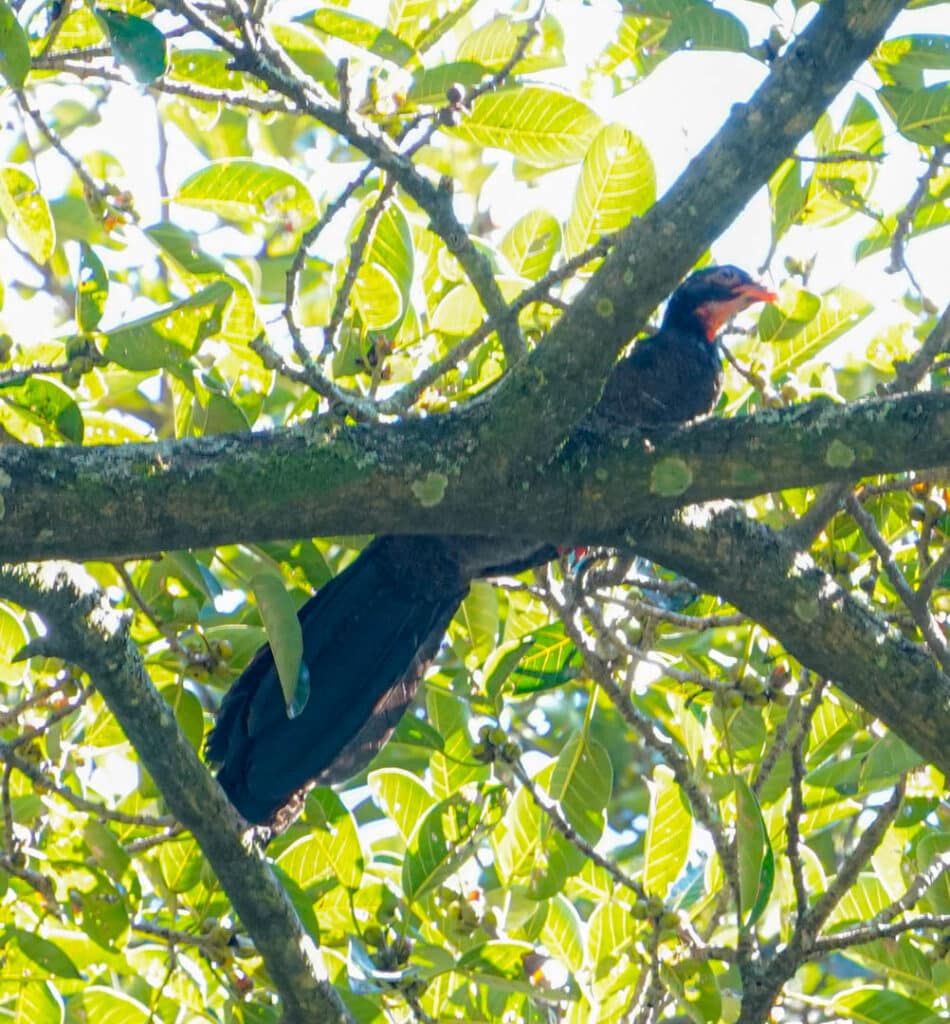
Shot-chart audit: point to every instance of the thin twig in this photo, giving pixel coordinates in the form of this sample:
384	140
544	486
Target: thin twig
918	610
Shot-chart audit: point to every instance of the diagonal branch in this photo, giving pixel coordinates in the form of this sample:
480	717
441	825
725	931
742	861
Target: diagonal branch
88	632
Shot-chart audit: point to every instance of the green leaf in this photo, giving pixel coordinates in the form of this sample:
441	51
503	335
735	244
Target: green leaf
756	860
136	43
581	783
180	861
439	845
46	402
188	713
552	661
362	33
430	85
279	616
452	766
668	833
45	954
92	289
499	965
443	22
841	310
478	615
862	902
13	636
545	127
531	243
494	43
461	311
37	1002
402	797
335	835
27	213
704	27
204	67
14	48
617	182
248	191
787	196
901	61
869	1005
109	1006
304	49
518	837
837	189
168	337
610	929
921	115
563	932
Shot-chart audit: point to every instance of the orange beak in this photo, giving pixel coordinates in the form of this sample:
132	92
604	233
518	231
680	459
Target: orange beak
756	293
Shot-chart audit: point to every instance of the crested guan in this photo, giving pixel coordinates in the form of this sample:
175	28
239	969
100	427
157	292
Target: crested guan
369	633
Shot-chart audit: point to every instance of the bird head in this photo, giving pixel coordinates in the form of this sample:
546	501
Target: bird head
710	297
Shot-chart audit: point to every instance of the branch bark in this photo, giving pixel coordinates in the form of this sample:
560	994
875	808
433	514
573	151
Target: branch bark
822	625
134	500
84	630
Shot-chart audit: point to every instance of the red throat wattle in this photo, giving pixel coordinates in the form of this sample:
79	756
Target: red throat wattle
715	313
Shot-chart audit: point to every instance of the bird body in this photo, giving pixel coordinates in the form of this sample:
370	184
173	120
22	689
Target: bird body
370	631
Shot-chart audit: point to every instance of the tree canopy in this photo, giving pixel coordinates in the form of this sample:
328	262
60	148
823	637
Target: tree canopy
279	277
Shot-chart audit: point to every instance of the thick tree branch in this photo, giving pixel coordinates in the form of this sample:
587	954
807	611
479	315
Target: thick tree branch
123	501
552	389
87	632
826	628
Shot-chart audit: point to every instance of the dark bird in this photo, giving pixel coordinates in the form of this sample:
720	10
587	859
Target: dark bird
369	633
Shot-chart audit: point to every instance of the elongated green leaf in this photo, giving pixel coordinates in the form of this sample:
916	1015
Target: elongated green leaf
37	1002
335	833
452	766
542	126
901	61
46	402
168	337
92	289
563	932
439	845
617	182
444	21
581	783
668	833
841	309
430	85
285	638
362	33
44	953
756	860
27	213
787	196
494	43
704	27
204	67
499	964
136	43
610	930
304	49
14	48
869	1005
479	616
838	188
461	311
246	190
180	861
922	115
552	661
13	636
531	244
517	838
108	1006
402	796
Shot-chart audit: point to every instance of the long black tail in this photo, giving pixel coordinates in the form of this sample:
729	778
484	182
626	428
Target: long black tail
367	635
